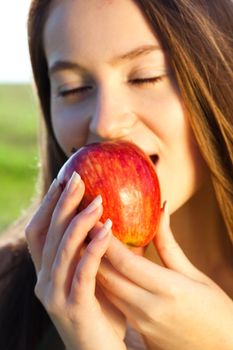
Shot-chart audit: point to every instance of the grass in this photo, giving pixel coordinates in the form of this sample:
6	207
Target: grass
18	150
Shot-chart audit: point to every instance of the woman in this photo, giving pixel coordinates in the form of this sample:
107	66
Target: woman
159	74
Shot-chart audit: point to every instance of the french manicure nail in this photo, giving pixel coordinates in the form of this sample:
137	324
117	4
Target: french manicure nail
73	182
105	229
53	187
94	204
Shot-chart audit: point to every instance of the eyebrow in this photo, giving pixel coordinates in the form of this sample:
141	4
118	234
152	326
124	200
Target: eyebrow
139	51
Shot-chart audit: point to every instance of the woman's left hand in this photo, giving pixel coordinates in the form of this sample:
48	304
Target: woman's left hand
174	306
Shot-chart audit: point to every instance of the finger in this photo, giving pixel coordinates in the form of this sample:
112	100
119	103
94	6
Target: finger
138	269
64	212
170	252
84	281
37	228
94	231
136	250
69	251
112	314
118	285
131	315
138	319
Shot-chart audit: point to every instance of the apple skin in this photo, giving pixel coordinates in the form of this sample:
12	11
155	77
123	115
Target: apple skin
126	179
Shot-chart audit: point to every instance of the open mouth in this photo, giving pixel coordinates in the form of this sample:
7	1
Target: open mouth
73	150
154	158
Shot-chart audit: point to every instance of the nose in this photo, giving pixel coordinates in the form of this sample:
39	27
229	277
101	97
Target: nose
113	116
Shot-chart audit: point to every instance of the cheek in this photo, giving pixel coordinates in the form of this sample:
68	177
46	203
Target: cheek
183	170
162	111
70	130
200	169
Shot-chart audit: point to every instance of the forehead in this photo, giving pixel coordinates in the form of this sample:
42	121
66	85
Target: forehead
95	26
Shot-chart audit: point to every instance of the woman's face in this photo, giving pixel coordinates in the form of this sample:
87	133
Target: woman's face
110	80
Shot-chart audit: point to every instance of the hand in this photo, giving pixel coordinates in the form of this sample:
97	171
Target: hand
174	306
66	269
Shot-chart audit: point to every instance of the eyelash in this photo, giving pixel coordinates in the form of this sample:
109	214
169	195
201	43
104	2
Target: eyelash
74	91
146	81
138	82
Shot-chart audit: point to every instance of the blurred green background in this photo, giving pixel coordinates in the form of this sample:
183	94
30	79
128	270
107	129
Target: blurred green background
18	150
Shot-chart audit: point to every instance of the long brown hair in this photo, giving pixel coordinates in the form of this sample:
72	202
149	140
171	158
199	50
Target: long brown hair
197	36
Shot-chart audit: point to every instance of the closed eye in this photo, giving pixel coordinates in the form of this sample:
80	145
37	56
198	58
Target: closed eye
75	91
85	89
146	81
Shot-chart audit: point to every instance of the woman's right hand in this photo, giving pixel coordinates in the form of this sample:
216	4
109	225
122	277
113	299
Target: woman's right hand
66	269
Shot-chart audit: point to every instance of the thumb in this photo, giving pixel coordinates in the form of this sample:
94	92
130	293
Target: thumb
169	250
137	250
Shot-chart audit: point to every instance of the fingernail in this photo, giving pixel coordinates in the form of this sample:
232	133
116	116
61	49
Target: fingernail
53	187
166	212
104	230
94	204
73	182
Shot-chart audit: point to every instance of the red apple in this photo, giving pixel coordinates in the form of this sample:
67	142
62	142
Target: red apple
126	179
